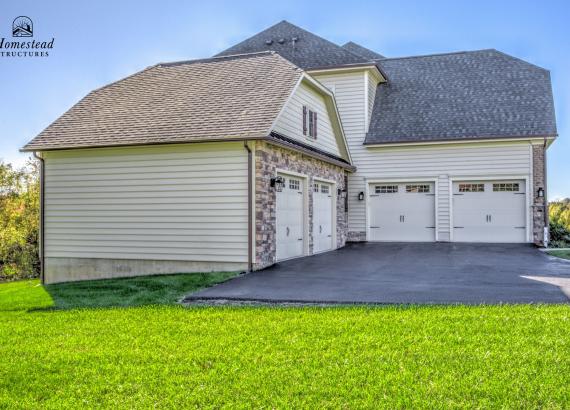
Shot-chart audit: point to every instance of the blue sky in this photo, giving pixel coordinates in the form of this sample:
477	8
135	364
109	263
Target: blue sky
99	42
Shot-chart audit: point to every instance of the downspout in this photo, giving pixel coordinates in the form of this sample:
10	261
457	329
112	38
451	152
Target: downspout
249	208
546	216
42	218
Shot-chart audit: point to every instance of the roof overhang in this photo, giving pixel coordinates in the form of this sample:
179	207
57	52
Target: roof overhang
372	68
535	139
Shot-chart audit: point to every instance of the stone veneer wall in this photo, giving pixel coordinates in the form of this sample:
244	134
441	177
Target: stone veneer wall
269	158
540	205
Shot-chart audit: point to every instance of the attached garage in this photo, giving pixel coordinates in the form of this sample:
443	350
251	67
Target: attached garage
489	211
290	217
402	212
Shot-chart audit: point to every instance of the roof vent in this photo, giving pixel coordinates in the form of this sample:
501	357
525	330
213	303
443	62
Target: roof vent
281	40
269	42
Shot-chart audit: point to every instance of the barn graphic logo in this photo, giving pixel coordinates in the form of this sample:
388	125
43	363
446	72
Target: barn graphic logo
23	43
22	26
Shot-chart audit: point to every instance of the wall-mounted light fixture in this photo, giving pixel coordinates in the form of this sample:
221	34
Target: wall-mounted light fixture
341	193
278	183
361	196
540	192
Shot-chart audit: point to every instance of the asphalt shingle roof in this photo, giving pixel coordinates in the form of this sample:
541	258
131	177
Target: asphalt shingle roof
309	51
362	51
467	95
212	99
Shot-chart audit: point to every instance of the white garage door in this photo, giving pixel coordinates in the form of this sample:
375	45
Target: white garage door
402	212
489	211
322	217
289	219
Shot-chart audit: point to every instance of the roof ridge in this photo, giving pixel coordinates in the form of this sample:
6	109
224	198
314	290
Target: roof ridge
216	58
436	54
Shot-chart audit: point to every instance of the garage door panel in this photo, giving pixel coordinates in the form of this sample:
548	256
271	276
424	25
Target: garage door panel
402	212
289	219
489	211
322	217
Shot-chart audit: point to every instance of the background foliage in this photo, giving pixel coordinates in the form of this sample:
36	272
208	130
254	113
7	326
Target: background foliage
19	220
560	223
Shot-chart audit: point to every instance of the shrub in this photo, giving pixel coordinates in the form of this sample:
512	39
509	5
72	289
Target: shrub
559	235
19	221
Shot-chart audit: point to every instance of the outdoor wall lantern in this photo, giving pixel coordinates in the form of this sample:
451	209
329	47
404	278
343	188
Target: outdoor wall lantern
540	193
361	196
341	193
278	183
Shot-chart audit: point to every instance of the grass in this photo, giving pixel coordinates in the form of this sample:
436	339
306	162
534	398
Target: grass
168	356
128	292
560	254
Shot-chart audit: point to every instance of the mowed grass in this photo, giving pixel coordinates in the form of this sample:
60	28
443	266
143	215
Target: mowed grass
169	356
565	254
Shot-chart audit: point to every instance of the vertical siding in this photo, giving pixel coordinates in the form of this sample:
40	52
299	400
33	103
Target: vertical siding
350	93
176	202
290	122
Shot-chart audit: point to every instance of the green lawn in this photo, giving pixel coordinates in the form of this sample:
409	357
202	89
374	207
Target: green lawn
168	356
560	254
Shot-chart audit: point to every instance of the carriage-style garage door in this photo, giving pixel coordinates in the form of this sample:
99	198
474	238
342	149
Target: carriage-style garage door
289	219
402	212
489	211
322	217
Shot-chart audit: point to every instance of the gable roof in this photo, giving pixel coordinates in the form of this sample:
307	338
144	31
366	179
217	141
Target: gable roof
482	94
308	51
362	51
227	98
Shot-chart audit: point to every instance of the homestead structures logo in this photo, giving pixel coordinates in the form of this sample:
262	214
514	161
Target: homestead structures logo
22	26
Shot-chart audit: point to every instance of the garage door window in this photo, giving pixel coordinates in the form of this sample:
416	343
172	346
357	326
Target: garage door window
386	189
324	189
417	188
506	187
316	187
471	187
294	184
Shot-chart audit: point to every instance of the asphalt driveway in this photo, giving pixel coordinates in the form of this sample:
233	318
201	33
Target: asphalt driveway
408	273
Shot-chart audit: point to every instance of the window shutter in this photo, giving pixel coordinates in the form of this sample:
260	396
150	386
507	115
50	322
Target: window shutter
304	120
315	125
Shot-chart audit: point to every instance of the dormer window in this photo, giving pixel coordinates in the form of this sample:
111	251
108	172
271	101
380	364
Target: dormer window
309	122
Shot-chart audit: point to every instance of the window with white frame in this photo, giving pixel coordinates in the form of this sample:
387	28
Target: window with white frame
325	189
423	188
315	187
506	187
310	123
386	189
294	184
471	187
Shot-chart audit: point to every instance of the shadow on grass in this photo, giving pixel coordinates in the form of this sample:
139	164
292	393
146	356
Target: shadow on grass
128	292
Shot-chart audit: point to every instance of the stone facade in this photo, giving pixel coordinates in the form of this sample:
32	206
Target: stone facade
356	236
539	205
269	158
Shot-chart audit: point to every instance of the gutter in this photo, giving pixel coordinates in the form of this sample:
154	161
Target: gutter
42	218
249	207
545	207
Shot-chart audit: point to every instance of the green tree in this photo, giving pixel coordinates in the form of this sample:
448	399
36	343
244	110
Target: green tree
559	213
19	221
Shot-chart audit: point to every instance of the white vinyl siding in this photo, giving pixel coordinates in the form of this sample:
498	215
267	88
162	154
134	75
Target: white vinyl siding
441	162
174	202
371	96
290	122
350	92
